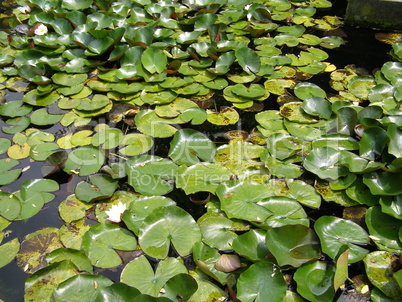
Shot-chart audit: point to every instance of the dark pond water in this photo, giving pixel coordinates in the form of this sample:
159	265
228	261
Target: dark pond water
361	49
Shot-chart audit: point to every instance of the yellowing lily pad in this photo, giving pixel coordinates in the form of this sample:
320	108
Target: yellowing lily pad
226	116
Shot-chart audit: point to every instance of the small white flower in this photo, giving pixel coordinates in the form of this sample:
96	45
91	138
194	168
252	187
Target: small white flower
24	9
41	30
114	213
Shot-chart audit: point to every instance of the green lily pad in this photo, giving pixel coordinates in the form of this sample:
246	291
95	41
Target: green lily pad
294	113
194	115
336	232
361	86
72	209
243	200
84	160
101	240
248	60
4	145
189	147
39	286
77	257
117	292
304	193
140	274
17	124
201	177
65	79
261	282
318	107
15	108
384	229
34	99
315	281
293	244
71	234
165	226
9	250
251	245
383	183
175	108
36	189
42	117
80	287
135	144
154	60
380	267
7	175
284	211
218	232
324	163
149	123
226	116
35	247
392	205
101	186
137	211
107	138
305	90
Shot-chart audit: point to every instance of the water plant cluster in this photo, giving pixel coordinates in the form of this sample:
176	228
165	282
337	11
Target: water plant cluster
143	90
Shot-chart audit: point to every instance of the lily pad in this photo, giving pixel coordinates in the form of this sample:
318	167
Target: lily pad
7	174
333	237
165	226
243	200
380	266
384	229
315	281
189	147
35	247
225	116
324	163
137	211
80	287
101	240
293	244
318	107
150	175
140	274
218	232
261	282
251	245
201	177
9	250
77	257
39	286
101	186
84	160
305	90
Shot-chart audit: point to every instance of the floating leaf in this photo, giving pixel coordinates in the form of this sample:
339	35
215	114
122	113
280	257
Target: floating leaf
69	79
248	59
333	236
35	247
137	144
383	229
201	177
101	240
315	281
80	287
293	244
305	90
242	201
324	163
6	174
189	146
100	187
261	282
380	266
154	60
165	226
39	286
226	116
140	274
77	257
251	245
84	160
9	250
317	106
117	292
72	209
218	232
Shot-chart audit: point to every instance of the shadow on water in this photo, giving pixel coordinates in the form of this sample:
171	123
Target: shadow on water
361	49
